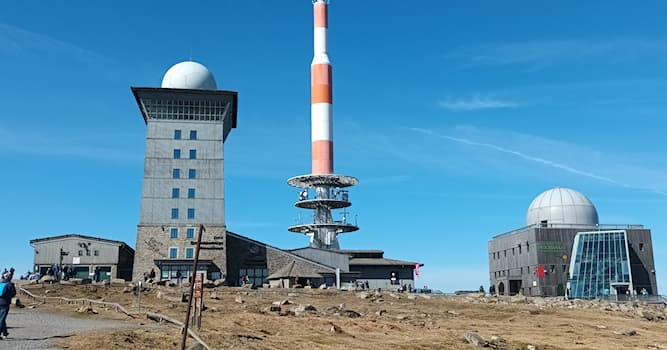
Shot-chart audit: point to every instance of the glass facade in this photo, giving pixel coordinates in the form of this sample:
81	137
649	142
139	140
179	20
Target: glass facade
600	265
185	109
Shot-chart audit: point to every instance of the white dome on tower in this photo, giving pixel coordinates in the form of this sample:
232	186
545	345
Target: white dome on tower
189	75
562	206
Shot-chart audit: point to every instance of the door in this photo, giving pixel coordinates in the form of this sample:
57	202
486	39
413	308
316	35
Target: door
105	273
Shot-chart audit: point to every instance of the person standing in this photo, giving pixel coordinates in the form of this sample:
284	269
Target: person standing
7	292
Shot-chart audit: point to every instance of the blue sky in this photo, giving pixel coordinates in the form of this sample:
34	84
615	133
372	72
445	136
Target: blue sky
453	115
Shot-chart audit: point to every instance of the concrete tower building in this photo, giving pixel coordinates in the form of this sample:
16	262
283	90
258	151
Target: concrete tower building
322	190
187	122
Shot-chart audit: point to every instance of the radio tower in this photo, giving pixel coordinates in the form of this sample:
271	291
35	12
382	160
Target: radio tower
322	190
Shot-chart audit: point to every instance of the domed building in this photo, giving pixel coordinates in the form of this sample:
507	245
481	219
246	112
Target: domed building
564	250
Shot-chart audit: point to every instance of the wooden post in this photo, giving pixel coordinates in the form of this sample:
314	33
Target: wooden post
192	287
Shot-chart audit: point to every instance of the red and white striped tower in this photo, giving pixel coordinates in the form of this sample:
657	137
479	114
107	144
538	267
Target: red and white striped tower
325	186
321	113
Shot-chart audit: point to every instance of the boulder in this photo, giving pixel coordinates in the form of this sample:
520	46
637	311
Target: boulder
475	339
282	302
323	286
118	282
363	295
17	302
626	332
381	312
47	279
239	300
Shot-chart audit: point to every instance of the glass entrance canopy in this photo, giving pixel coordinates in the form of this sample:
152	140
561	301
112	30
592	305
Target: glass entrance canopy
600	265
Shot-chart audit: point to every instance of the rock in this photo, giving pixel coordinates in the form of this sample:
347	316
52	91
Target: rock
394	295
303	308
599	326
363	295
533	312
118	282
248	286
218	282
284	312
47	279
214	296
282	302
349	313
323	286
239	300
475	339
626	332
531	347
648	315
274	308
335	329
412	297
381	312
292	294
86	310
518	299
452	312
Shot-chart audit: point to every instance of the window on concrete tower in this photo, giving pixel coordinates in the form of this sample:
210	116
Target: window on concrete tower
177	134
193	154
192	173
191	193
191	232
177	153
191	213
176	174
174	213
173	253
173	233
189	253
193	134
175	192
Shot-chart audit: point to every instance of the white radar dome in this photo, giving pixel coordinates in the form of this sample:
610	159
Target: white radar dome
562	206
189	75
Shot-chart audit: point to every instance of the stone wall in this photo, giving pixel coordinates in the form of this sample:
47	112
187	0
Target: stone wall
153	243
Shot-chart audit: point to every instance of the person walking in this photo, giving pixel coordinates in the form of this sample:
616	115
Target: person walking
7	292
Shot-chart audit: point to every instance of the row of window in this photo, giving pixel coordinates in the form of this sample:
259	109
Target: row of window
87	253
176	174
185	110
189	253
175	213
176	193
177	153
190	232
527	269
496	255
178	133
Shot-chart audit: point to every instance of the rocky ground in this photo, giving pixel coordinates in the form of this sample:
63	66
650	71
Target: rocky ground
238	318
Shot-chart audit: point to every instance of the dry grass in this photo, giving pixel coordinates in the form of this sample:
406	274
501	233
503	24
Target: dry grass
435	323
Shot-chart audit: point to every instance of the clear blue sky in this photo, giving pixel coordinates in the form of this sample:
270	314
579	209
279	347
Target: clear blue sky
453	115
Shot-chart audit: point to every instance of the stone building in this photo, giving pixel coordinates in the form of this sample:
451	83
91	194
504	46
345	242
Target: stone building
83	255
187	121
565	250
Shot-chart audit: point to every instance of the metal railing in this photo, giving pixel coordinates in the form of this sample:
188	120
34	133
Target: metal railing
600	227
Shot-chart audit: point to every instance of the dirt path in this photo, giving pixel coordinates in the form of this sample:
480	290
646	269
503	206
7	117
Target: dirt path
37	329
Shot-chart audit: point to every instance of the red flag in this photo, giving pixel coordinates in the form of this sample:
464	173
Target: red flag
542	271
416	269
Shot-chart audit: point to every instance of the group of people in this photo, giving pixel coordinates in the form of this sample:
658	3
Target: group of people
7	292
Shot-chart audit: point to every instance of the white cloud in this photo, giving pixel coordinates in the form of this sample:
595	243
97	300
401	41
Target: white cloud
476	103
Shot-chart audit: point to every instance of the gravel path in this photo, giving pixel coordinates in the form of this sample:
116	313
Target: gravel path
34	329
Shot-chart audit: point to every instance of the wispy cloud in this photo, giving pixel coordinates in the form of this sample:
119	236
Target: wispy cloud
540	160
20	42
476	103
541	53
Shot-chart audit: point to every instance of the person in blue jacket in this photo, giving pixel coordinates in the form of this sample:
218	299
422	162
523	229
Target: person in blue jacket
7	292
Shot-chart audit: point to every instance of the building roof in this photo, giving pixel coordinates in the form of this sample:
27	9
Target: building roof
561	206
73	235
292	269
382	262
